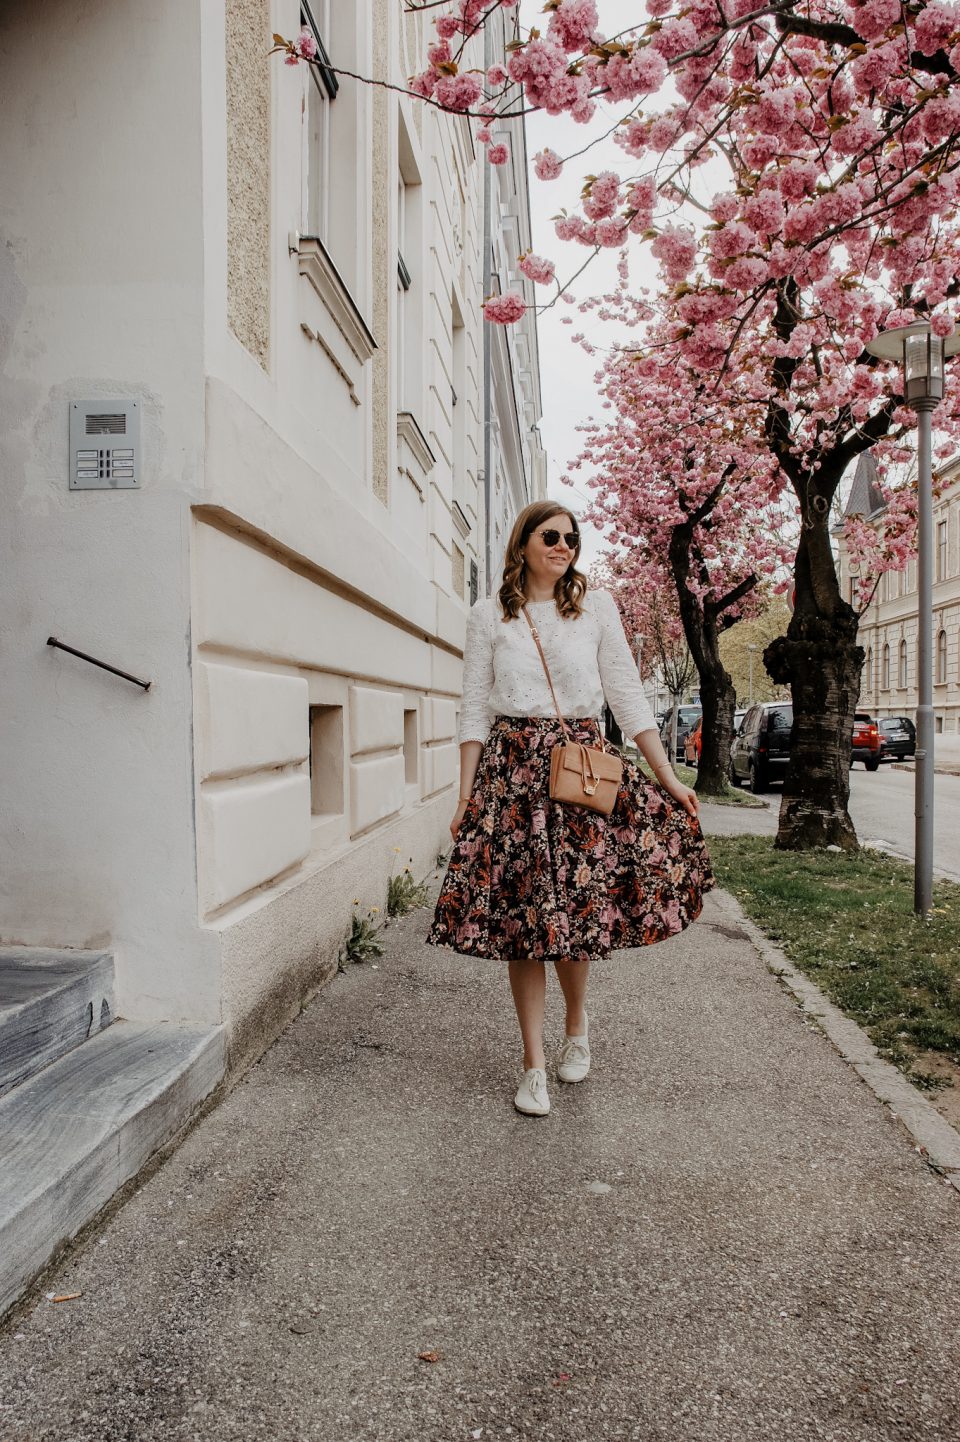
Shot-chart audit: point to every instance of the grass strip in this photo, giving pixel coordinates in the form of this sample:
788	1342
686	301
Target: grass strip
847	921
730	796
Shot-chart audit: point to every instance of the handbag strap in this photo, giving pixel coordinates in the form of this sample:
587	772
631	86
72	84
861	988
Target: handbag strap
546	670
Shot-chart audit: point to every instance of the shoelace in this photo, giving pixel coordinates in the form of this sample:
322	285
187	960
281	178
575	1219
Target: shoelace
536	1082
573	1050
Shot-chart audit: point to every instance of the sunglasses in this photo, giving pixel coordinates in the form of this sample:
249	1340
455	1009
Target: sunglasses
571	539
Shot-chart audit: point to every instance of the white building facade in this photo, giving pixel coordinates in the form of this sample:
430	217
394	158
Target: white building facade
273	277
889	626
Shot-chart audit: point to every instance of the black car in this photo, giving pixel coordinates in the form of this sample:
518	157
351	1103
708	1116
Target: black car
898	737
687	718
761	748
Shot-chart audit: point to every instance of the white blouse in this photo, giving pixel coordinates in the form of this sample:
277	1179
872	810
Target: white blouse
588	656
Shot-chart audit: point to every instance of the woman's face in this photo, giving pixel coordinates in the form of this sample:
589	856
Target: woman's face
547	553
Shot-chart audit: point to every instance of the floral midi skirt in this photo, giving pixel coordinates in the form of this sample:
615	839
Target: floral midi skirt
531	878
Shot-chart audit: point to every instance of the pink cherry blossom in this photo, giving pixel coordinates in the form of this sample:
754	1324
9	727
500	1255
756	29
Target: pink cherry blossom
505	309
458	92
535	268
498	154
306	45
936	25
573	22
547	165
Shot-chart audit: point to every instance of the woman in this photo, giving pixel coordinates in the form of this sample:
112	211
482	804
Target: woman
532	880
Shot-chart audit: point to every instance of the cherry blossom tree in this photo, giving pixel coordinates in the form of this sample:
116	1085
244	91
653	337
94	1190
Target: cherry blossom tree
793	168
689	497
648	606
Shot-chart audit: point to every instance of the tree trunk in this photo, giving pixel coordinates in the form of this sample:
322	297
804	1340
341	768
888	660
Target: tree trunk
821	662
717	694
718	698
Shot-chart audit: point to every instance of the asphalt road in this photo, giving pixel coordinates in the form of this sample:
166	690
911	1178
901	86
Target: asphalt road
881	805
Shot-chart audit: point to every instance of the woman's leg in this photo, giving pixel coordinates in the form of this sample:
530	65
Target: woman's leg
528	982
573	977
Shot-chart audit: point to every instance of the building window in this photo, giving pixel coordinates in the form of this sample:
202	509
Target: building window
902	667
885	668
411	747
405	400
941	658
941	550
408	352
326	760
458	406
320	89
332	133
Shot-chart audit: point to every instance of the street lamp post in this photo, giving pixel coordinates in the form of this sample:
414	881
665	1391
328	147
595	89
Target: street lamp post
922	355
751	648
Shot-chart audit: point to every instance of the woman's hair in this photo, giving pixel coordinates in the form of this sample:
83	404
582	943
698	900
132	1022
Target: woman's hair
572	585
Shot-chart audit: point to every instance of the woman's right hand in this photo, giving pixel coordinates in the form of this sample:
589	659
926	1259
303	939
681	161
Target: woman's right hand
457	818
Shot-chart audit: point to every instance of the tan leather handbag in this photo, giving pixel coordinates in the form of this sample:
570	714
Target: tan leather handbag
579	775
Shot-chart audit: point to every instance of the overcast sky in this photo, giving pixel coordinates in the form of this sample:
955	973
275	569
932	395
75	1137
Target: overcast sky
566	372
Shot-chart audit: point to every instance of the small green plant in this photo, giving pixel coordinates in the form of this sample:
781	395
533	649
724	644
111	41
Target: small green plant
362	943
404	894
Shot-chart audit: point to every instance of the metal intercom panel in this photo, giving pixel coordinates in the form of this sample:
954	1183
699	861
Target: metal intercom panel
104	445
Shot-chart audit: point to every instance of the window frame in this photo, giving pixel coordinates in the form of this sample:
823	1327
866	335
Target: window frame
940	657
315	192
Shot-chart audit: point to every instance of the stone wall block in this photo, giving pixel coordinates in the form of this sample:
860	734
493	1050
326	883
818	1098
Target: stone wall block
377	790
249	720
376	719
251	833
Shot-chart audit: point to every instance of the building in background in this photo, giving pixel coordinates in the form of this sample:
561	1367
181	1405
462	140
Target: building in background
241	455
888	627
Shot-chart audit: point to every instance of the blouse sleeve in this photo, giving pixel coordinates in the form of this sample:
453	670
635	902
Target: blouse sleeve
618	672
477	676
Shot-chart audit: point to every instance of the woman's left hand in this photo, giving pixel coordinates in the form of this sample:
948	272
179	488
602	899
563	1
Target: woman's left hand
687	797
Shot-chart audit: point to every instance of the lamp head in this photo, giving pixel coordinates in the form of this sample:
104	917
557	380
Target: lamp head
922	355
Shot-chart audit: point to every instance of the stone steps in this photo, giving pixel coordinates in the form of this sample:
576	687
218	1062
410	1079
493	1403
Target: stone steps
72	1134
50	1002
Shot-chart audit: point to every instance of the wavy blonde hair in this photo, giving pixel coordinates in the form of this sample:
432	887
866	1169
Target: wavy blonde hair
572	585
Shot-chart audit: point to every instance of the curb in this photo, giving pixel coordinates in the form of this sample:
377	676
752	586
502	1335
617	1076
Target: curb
936	1140
941	770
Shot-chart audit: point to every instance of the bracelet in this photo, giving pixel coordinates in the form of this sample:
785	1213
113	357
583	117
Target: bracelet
664	766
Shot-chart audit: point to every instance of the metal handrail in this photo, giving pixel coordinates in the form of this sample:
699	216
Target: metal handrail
114	670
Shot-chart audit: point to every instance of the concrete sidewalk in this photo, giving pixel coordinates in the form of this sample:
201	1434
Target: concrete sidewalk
720	1235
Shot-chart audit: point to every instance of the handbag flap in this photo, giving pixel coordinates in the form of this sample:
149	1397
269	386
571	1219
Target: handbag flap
604	766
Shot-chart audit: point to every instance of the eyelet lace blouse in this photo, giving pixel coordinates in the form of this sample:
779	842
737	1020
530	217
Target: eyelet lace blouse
588	656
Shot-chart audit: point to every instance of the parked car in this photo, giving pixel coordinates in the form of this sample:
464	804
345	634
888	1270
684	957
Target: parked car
693	743
738	716
761	748
866	740
898	737
686	717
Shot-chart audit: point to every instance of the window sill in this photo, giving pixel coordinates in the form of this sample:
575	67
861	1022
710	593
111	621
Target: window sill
315	264
409	432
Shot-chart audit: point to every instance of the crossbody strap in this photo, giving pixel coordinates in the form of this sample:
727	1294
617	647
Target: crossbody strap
546	670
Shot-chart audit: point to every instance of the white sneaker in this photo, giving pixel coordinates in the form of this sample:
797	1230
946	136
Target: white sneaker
573	1061
532	1097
